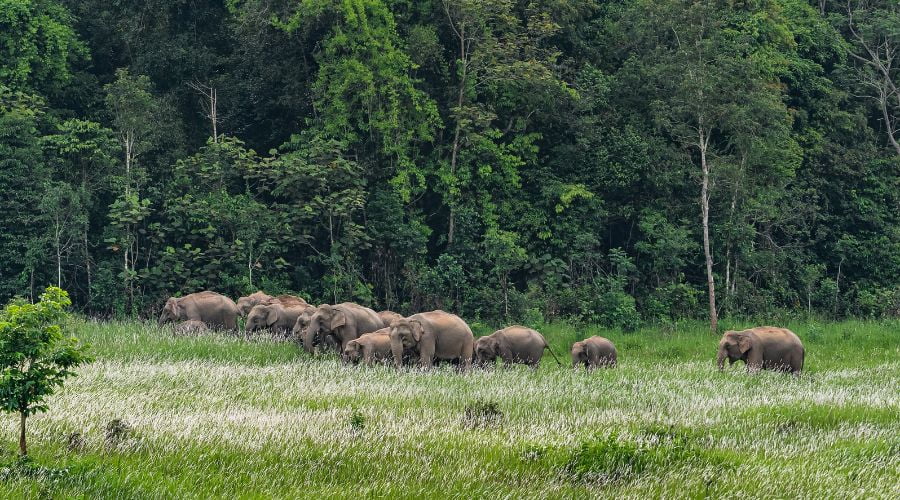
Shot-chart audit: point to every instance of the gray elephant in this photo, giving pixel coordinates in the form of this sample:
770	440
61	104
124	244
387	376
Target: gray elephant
762	348
335	325
190	326
594	352
514	344
244	304
388	317
435	335
369	347
217	311
275	316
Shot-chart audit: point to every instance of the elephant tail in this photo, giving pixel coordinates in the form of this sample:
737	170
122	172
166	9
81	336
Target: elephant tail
547	346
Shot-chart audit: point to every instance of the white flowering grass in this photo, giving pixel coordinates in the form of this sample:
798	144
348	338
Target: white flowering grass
218	416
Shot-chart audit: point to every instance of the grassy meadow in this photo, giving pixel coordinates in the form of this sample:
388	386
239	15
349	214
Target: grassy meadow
220	416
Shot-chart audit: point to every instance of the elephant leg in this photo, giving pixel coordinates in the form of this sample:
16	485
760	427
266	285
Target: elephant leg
368	354
426	354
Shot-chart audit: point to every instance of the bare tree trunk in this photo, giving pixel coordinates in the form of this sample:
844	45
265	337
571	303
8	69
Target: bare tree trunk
837	288
87	264
460	100
704	207
23	447
209	102
883	102
213	114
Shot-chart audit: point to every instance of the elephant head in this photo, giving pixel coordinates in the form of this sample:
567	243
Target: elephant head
405	337
486	350
326	320
352	353
261	317
734	345
579	354
302	323
172	311
245	304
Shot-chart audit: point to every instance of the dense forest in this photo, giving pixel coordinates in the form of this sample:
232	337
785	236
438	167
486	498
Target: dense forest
612	162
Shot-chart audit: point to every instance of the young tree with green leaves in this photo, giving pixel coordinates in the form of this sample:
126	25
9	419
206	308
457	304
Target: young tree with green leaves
36	357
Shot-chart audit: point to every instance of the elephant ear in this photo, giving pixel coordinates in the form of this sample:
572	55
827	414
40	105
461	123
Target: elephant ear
417	330
338	319
494	344
745	342
177	308
271	315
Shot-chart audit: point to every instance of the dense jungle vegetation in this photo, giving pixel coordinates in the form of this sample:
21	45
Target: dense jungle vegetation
607	162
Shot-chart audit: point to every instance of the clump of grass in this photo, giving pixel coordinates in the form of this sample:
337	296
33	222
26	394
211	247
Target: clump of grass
357	421
614	458
483	414
117	433
75	442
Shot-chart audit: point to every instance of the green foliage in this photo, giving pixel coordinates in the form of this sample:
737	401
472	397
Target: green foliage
37	45
500	159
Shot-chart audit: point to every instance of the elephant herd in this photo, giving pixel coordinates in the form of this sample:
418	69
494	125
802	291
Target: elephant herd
360	335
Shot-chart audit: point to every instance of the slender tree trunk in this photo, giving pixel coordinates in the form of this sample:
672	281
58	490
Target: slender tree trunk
460	98
704	207
213	115
56	235
837	288
87	264
884	103
23	447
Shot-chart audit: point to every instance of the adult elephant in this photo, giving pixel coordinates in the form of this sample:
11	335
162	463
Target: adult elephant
594	352
514	344
289	301
432	335
762	348
338	324
276	316
245	304
217	311
388	317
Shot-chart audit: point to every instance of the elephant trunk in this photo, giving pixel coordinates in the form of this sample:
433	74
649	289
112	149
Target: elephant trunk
720	359
397	351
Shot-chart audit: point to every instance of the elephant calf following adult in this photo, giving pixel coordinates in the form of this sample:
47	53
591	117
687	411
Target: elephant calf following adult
762	348
369	348
217	311
435	335
335	325
190	326
514	344
594	352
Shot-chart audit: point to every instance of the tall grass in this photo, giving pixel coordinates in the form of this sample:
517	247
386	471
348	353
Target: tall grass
220	416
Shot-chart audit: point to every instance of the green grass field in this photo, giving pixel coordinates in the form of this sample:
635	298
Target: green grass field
218	416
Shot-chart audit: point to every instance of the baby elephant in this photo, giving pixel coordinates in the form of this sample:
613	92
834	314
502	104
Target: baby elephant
191	326
369	347
515	344
593	352
762	348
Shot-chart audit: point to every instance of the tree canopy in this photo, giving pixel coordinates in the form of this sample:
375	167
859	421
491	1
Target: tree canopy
613	162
